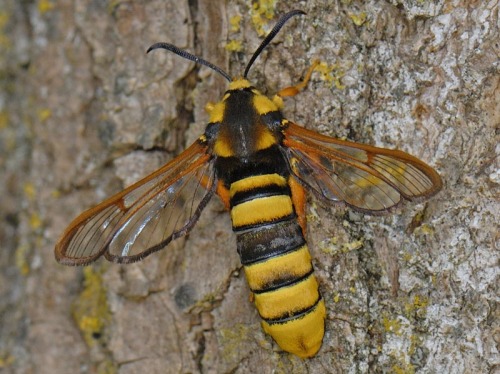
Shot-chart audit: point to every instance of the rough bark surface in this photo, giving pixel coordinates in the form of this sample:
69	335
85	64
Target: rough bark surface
84	112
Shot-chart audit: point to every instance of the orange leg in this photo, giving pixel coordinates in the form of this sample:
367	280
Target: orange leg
299	202
223	193
294	90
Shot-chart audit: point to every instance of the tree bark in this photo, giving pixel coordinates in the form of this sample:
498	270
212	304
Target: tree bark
85	112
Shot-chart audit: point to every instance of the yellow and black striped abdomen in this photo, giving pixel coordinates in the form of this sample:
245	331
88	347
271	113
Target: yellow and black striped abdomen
277	262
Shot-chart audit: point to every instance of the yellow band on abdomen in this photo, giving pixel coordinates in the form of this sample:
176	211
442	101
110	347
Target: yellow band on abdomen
301	336
265	209
287	266
289	300
257	181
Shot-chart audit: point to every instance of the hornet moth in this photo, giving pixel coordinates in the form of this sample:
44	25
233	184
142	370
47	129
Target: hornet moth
261	165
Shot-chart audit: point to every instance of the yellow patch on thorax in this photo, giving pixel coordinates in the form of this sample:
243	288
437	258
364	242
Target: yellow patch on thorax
222	148
265	139
263	104
239	83
217	111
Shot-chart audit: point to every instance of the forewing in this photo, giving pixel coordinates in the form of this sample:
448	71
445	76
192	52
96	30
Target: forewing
367	178
146	216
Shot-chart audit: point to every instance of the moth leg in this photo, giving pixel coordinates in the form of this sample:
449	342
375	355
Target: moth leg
221	190
224	195
294	90
299	202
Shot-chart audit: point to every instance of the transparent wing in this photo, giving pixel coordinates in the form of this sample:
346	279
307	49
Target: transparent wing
367	178
146	216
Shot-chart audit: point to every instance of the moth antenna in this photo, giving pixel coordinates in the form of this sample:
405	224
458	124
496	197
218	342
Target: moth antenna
189	56
281	22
